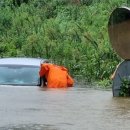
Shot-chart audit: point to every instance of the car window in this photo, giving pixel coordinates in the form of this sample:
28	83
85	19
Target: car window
19	75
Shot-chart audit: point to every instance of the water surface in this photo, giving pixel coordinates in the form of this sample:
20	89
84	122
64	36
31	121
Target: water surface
31	108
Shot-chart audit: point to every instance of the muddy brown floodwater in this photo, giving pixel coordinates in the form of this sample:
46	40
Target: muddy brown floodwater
31	108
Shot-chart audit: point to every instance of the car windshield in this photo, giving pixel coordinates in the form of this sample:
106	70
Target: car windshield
18	75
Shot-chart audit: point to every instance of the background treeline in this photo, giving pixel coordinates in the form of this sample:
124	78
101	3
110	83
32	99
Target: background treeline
72	33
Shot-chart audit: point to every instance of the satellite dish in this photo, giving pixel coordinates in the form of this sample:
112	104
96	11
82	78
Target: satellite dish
119	31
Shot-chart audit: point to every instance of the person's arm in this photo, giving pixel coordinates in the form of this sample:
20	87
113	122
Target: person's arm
114	73
43	70
70	81
43	82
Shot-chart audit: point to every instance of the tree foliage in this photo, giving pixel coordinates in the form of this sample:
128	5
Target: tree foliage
68	32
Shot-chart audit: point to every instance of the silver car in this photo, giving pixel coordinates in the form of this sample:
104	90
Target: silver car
20	71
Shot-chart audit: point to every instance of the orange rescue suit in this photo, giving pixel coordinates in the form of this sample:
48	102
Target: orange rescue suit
56	76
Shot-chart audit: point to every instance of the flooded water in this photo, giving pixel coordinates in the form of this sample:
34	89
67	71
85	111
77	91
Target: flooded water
31	108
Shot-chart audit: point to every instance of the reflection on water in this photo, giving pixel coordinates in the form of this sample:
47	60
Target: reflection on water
62	109
29	127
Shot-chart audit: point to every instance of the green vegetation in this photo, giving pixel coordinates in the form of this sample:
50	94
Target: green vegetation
125	88
72	33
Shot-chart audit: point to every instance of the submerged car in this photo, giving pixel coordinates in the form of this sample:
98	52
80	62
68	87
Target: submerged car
20	71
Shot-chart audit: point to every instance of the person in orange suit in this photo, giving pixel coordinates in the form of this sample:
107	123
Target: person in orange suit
56	76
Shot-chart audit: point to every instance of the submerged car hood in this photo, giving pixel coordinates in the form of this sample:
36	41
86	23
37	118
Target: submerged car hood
26	106
20	104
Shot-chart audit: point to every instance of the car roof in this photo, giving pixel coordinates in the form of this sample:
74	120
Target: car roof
22	61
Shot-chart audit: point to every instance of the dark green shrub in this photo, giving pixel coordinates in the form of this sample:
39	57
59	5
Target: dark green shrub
125	88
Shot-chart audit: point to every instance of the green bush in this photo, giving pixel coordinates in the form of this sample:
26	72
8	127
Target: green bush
125	88
70	33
